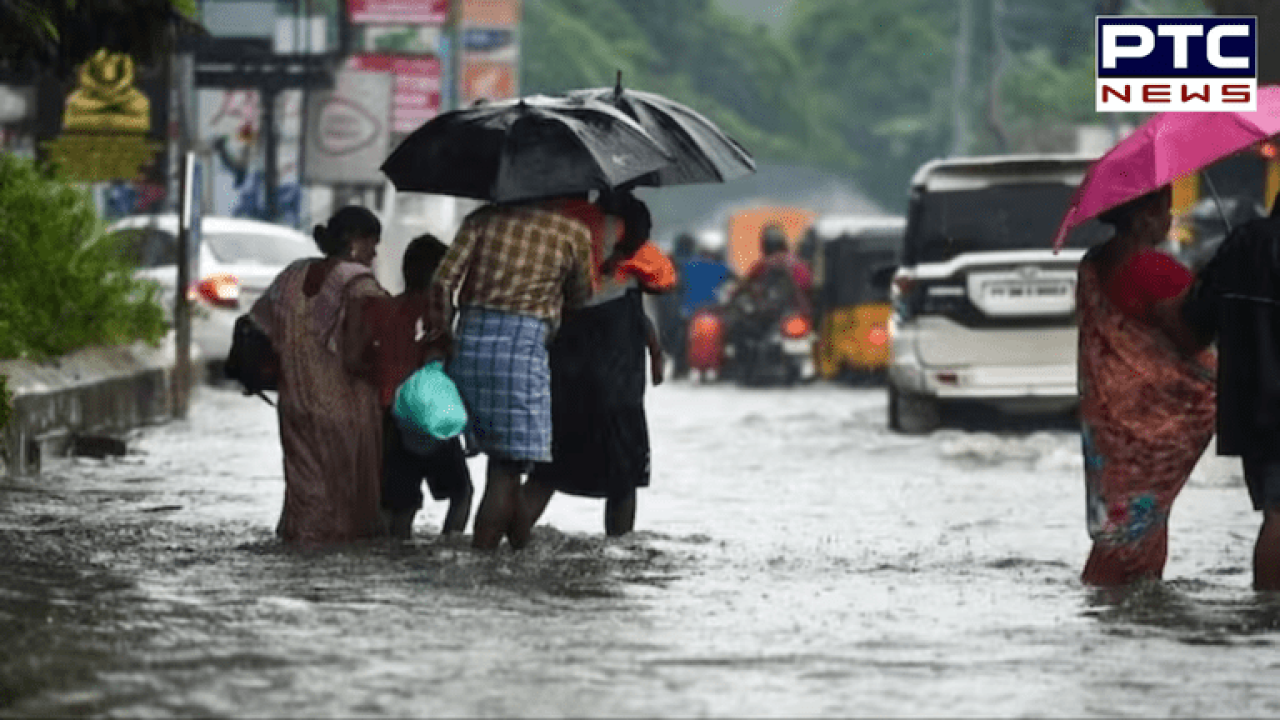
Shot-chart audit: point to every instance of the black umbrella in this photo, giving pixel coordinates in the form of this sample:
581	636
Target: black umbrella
700	151
524	149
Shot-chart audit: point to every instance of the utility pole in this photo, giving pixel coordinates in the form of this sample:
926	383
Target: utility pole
182	63
269	92
960	82
453	66
995	110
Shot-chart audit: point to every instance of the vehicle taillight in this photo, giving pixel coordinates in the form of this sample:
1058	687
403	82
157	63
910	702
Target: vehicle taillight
794	326
704	326
902	296
221	290
878	335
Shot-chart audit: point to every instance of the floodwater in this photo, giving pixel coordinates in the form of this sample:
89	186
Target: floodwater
793	558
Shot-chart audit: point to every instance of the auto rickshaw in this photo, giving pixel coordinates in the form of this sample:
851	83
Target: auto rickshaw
855	256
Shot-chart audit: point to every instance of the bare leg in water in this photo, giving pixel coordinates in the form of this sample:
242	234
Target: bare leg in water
499	505
1108	566
455	520
620	514
1266	553
534	497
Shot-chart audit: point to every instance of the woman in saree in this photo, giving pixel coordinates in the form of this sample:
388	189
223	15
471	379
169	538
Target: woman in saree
329	411
600	433
1146	393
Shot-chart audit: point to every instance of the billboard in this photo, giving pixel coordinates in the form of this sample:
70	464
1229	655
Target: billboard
487	81
490	50
391	12
417	86
110	122
230	125
348	129
491	13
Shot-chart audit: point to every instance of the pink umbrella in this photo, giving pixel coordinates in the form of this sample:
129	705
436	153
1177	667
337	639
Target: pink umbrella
1167	146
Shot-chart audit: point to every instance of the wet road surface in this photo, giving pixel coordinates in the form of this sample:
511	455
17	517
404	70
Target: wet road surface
793	558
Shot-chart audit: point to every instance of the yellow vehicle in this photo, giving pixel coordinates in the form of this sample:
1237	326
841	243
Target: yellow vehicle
855	256
1246	183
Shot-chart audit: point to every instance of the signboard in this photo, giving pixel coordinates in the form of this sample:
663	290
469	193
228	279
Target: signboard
230	125
487	81
190	212
490	44
348	135
490	50
14	104
491	13
410	12
417	87
401	39
111	128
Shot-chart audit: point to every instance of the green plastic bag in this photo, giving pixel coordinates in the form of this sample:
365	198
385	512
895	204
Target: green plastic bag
428	409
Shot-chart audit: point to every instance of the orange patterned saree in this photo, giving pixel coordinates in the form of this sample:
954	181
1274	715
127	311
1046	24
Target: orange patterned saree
1147	414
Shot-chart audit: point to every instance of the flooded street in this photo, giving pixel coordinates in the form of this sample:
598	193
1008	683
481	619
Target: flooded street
793	558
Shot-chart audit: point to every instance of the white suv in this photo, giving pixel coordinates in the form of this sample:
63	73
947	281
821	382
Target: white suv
983	310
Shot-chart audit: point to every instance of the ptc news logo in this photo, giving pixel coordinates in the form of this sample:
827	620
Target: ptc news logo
1184	63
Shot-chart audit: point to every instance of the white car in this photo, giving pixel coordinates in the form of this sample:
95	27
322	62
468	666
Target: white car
983	310
237	260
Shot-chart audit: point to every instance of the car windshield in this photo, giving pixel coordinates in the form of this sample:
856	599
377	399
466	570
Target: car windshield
251	249
1002	217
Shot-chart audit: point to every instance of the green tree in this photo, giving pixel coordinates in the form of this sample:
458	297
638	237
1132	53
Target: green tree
740	76
61	34
65	285
881	75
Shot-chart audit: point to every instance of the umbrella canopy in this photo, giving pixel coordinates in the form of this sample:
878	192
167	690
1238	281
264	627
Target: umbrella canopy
524	149
700	151
1167	146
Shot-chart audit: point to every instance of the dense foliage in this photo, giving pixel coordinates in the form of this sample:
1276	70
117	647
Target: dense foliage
60	34
65	284
865	87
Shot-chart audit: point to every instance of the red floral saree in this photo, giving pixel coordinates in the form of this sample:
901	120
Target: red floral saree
1147	414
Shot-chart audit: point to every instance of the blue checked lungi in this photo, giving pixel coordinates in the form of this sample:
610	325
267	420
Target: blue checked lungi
502	372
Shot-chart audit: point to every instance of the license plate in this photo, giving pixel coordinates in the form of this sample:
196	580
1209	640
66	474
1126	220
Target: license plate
1020	290
796	346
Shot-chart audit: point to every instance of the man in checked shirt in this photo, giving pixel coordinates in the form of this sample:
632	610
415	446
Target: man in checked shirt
514	270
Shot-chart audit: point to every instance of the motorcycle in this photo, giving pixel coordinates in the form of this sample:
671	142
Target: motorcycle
754	338
772	350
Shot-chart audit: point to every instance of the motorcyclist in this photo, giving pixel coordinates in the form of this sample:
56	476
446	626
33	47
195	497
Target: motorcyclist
779	281
778	284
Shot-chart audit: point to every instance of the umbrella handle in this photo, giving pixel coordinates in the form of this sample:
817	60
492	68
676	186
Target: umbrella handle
1217	200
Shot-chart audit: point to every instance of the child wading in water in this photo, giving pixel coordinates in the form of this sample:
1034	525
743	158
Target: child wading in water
403	341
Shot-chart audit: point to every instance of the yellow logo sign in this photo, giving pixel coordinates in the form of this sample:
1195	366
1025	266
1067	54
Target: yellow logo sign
106	99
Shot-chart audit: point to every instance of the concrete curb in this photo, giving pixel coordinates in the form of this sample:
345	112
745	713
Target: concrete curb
95	392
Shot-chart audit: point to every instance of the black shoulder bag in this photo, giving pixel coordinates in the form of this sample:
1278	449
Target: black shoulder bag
253	361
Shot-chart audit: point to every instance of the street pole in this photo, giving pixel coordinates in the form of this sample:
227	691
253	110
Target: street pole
270	179
181	307
303	117
995	108
960	82
454	68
